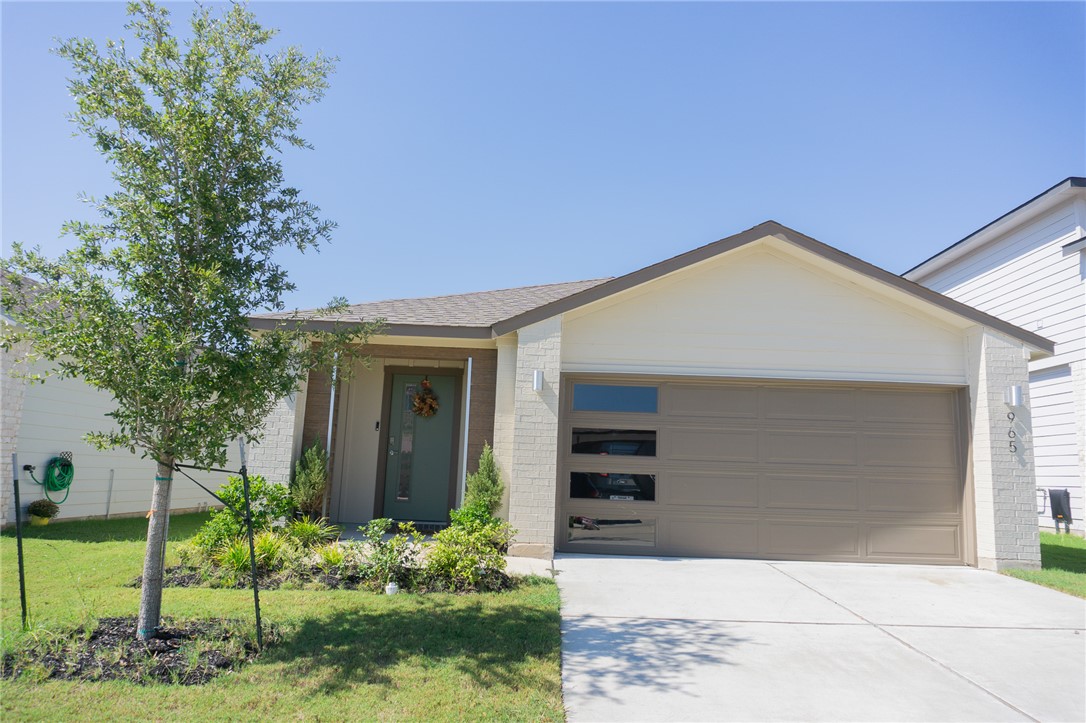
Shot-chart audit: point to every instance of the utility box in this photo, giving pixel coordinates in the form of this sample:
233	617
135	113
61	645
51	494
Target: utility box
1060	502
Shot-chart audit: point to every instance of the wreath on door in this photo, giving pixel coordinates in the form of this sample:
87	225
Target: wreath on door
424	403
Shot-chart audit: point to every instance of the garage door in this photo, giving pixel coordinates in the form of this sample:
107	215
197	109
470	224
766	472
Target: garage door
795	471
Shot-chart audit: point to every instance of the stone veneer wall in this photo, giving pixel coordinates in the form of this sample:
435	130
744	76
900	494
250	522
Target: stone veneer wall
1004	480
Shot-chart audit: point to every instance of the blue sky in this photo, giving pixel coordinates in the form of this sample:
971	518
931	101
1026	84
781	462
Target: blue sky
475	146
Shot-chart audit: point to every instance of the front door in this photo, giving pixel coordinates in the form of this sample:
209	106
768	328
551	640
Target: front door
421	450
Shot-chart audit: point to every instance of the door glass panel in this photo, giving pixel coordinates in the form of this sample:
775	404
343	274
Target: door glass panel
617	486
614	398
639	442
407	444
625	531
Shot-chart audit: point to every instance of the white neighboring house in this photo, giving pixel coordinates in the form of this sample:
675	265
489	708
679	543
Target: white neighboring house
39	421
1028	267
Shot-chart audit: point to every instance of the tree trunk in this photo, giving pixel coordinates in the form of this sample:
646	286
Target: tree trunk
154	559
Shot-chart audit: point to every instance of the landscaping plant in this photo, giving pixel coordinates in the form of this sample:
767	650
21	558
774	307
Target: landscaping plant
484	487
392	559
152	304
310	481
43	508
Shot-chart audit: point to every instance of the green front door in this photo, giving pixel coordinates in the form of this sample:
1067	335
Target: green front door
421	452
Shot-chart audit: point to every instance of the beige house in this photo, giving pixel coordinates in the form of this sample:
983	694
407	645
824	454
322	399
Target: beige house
764	396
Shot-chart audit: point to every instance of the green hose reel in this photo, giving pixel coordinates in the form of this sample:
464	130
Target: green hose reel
59	473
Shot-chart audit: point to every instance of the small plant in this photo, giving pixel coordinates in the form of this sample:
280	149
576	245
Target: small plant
233	558
311	533
270	550
269	503
43	508
484	486
394	559
330	557
310	481
469	555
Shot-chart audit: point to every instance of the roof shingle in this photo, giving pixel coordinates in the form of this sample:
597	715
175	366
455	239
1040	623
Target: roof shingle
480	309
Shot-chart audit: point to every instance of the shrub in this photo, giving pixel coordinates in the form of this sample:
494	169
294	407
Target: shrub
233	557
394	559
476	511
311	533
484	486
270	550
269	504
469	555
330	557
310	481
43	508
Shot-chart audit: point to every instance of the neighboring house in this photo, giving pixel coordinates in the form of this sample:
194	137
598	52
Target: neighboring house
42	420
1029	268
764	396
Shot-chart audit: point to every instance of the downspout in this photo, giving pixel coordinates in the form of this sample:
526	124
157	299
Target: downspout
467	428
328	445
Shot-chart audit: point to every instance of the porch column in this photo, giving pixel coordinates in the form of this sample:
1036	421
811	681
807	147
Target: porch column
1004	481
531	485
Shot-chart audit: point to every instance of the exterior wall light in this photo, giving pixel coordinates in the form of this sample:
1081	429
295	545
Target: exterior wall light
537	380
1012	396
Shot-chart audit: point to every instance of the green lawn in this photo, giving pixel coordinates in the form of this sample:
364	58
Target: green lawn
1063	564
345	654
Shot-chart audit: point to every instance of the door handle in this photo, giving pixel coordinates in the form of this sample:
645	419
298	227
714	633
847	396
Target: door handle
391	446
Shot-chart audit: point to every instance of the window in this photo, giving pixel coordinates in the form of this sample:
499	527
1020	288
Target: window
638	442
626	532
614	398
617	486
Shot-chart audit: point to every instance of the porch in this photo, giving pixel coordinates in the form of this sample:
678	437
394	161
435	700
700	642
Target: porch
386	459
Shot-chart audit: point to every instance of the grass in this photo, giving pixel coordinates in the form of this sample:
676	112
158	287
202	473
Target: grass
1063	564
345	654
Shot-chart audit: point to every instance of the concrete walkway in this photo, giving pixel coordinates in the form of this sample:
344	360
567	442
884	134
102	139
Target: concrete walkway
713	640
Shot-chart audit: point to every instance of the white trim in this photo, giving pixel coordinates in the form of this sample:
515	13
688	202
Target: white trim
467	428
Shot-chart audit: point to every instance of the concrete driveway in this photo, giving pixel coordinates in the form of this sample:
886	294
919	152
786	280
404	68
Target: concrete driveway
692	640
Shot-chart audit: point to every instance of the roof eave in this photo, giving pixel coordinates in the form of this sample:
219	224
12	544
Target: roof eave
1045	199
423	330
772	228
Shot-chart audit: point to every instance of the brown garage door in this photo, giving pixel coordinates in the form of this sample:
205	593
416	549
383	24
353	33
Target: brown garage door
799	471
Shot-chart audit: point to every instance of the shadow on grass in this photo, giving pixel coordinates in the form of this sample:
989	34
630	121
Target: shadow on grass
1063	553
128	529
493	645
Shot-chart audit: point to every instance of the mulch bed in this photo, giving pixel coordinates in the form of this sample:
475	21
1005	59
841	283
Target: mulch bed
190	653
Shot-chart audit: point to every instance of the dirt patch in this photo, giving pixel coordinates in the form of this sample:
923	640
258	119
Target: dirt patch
188	653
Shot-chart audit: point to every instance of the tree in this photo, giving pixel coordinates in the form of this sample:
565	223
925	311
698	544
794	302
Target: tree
152	302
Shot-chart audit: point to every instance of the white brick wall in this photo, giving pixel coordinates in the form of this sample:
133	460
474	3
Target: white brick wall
1004	481
535	439
274	456
505	412
12	394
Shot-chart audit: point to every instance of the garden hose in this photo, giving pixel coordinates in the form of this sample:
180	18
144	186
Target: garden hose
59	473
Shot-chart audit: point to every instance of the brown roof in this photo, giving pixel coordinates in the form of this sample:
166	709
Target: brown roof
477	311
495	313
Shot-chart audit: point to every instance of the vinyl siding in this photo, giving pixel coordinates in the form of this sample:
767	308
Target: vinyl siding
55	417
761	313
1026	278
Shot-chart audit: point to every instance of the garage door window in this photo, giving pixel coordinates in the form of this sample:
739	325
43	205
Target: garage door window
621	531
617	486
614	398
622	442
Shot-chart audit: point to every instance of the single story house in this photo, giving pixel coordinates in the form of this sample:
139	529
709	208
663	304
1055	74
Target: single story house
1029	268
763	396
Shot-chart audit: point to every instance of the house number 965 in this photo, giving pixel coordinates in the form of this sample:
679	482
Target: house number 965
1011	433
